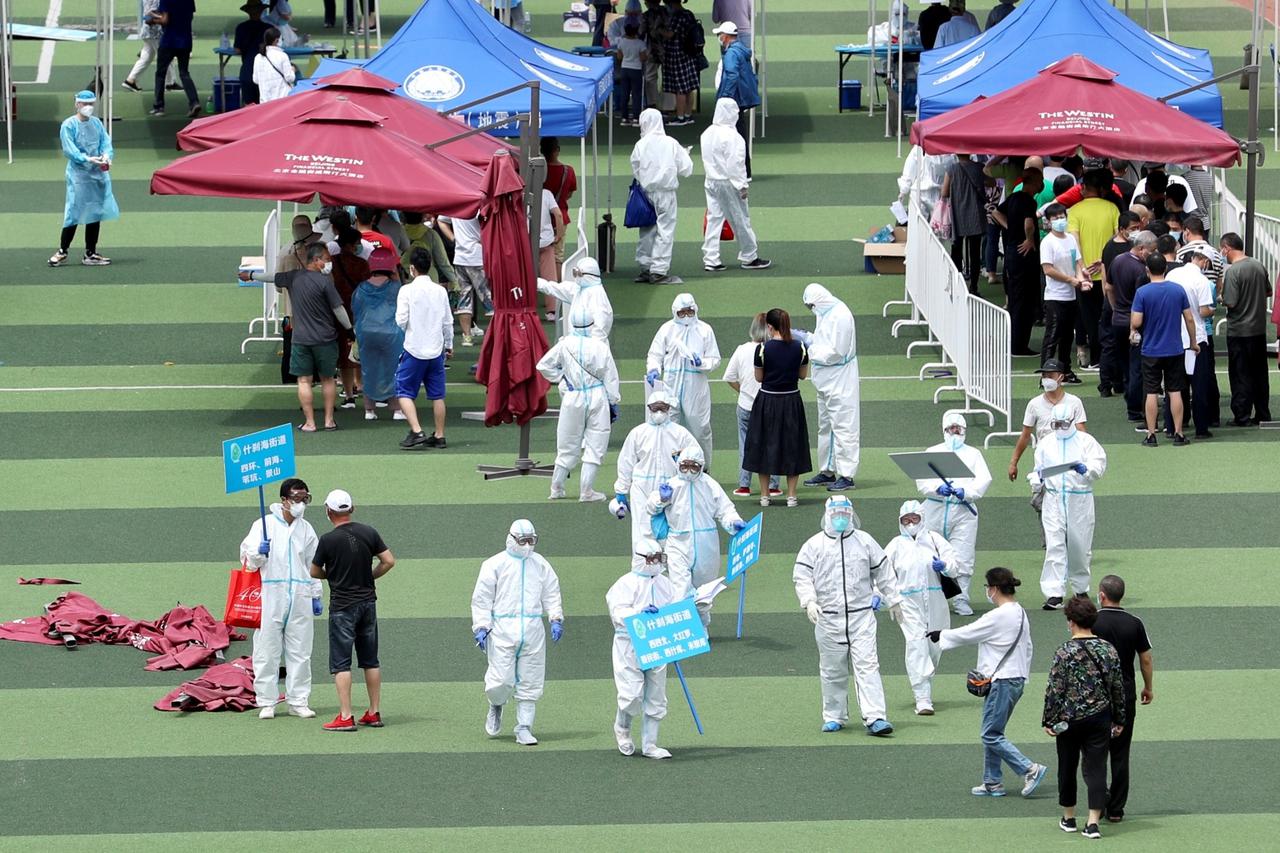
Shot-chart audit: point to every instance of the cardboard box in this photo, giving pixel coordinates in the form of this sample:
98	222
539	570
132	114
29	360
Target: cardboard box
887	258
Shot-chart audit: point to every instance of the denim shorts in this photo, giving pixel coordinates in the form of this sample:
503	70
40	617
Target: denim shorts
353	627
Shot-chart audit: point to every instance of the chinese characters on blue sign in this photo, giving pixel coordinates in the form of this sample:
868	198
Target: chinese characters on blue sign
673	633
744	549
259	458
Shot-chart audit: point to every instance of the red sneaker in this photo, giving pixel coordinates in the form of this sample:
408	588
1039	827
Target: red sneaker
371	720
742	493
773	493
341	724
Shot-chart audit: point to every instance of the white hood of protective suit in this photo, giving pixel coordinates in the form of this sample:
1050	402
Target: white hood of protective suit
640	565
724	153
680	303
832	502
953	442
691	453
820	298
907	508
1062	412
658	161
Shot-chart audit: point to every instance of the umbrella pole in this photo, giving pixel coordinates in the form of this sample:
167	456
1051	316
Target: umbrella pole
595	173
608	184
524	466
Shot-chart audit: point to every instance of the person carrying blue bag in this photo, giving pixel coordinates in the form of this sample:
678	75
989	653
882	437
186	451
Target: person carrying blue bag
657	163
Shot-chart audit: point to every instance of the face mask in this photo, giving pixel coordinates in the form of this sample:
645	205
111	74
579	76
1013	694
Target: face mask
688	476
515	549
840	523
327	268
1176	235
1059	226
954	442
989	598
658	418
685	321
86	110
1050	384
297	510
1065	432
912	529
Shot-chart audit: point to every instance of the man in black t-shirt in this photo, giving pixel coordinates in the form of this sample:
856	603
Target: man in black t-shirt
1017	219
1129	636
345	557
246	41
1113	371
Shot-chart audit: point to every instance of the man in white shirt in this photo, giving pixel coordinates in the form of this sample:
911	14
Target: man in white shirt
1064	274
468	262
1192	276
550	230
422	310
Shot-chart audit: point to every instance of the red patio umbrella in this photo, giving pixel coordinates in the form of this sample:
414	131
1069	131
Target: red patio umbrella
416	121
340	151
514	341
1076	103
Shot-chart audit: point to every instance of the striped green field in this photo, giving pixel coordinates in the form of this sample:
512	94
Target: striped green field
119	384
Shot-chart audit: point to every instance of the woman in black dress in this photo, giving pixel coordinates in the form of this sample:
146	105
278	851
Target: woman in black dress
778	435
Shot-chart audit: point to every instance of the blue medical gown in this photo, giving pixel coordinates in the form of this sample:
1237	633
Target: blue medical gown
89	196
381	340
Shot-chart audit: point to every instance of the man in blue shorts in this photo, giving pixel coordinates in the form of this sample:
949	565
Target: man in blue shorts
422	310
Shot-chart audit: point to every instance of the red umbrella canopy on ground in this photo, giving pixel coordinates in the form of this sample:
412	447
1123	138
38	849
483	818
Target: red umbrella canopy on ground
1076	103
515	340
340	151
376	94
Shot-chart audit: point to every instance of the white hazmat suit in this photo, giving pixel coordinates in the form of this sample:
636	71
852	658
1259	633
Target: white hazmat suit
724	160
583	367
922	177
696	505
287	623
835	575
1067	511
683	353
658	163
515	589
924	607
948	515
647	458
586	291
639	691
833	367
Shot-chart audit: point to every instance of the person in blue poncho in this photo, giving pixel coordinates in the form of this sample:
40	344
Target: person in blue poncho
88	150
378	339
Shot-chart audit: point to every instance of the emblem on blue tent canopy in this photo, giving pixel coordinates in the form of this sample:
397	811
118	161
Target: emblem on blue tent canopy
434	83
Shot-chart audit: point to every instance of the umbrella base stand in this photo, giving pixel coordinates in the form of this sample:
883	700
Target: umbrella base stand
523	466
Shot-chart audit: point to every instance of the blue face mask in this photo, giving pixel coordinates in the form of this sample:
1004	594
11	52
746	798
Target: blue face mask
840	523
954	442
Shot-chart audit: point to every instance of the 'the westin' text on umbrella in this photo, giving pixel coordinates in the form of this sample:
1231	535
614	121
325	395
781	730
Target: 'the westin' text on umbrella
321	164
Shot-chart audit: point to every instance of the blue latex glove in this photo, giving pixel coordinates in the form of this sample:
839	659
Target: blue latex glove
937	565
665	492
264	547
737	526
697	362
613	413
652	376
944	490
557	631
481	636
568	386
317	607
652	608
875	602
958	493
623	498
1080	469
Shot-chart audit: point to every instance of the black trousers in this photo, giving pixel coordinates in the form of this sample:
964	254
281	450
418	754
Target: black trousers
1022	286
1088	317
90	237
166	57
1135	401
1113	369
1199	405
597	37
1118	790
966	254
1087	738
330	12
1247	372
1059	331
744	130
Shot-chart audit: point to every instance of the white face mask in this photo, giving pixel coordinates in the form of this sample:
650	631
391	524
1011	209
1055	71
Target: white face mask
327	268
1050	385
86	110
912	530
297	510
517	550
989	598
688	476
658	418
685	321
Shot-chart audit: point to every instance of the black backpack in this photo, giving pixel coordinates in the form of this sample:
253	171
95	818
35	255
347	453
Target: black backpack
695	41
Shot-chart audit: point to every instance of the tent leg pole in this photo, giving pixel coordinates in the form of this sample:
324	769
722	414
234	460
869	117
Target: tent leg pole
1252	149
608	184
595	173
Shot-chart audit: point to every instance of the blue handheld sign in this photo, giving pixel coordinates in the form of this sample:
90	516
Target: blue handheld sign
251	461
744	549
672	634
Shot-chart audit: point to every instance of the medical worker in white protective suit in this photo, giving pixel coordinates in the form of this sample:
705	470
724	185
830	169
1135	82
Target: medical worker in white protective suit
1067	511
583	367
514	591
585	290
920	557
694	504
839	575
642	590
833	367
947	507
921	179
724	160
658	163
682	355
647	458
284	562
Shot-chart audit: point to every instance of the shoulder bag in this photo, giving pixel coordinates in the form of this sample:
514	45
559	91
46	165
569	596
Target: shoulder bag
980	684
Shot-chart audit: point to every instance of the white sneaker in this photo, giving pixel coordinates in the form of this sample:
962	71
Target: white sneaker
556	494
591	497
961	607
370	416
524	736
493	721
267	713
924	709
301	711
657	751
398	416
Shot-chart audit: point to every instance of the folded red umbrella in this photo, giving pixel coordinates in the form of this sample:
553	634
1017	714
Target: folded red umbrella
225	687
46	581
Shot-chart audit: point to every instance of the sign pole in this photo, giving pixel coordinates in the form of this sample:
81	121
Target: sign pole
688	697
742	602
262	507
965	504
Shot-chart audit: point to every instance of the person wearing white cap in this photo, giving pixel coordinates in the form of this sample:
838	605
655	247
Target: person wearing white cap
586	290
682	355
658	162
647	458
280	548
345	558
642	590
89	153
740	13
582	365
515	589
841	576
724	160
949	507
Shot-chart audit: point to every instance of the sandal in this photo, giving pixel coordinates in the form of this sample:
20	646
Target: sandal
303	428
330	427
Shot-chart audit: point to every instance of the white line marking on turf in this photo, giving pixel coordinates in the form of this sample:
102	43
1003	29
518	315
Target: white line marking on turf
46	49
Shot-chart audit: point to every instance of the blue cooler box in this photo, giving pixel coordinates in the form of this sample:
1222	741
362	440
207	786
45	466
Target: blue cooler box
228	87
850	95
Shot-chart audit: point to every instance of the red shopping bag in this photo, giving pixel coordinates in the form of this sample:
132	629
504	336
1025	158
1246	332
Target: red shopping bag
244	599
726	232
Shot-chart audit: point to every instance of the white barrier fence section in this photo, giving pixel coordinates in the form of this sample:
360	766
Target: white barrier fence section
270	317
1230	216
974	334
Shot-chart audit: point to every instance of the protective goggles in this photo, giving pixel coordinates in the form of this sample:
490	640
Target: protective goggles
299	497
687	312
953	429
524	538
1060	424
910	518
659	558
690	466
659	407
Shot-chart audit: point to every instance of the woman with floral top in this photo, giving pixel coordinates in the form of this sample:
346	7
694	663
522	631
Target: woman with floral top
1083	709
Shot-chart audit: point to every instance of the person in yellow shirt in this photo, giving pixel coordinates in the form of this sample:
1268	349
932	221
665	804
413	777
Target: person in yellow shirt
1093	222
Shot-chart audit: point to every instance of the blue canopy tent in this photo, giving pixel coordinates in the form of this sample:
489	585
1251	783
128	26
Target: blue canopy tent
1041	32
